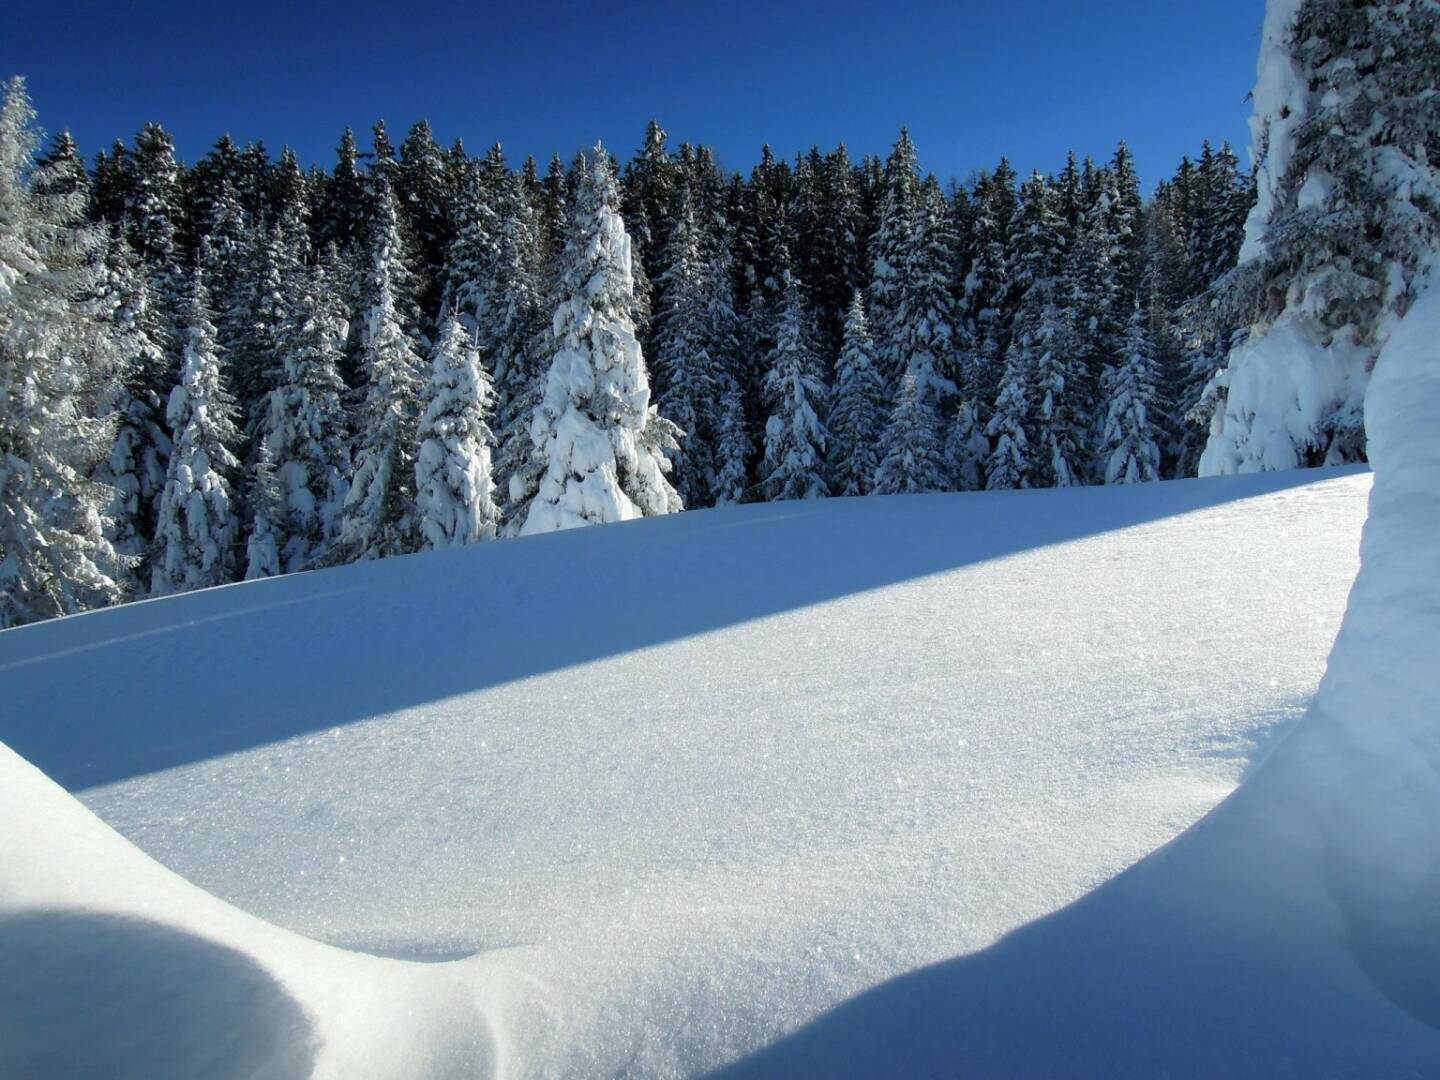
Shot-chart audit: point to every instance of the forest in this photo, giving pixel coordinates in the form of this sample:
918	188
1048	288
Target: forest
244	367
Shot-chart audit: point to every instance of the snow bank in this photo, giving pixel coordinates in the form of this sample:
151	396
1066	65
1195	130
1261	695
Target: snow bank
111	965
1282	386
827	744
1292	932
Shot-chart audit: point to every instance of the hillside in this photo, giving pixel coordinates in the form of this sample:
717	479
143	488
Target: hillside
674	789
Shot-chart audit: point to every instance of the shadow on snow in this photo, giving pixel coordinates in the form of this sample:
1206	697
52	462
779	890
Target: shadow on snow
121	692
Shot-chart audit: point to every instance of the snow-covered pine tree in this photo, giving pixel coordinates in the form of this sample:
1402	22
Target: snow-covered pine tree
1344	230
857	412
1010	461
733	448
601	441
266	504
930	345
911	454
966	448
152	209
134	467
454	488
1062	420
1130	448
988	296
687	378
378	518
892	251
304	431
250	331
798	399
198	526
55	555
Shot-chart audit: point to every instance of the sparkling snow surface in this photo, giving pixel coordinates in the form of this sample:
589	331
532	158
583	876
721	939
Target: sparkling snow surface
687	783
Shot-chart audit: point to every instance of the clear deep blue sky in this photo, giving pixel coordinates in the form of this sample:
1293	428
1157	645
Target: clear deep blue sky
973	79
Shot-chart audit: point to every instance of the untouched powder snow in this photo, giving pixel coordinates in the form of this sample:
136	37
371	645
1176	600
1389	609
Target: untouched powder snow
783	789
1293	931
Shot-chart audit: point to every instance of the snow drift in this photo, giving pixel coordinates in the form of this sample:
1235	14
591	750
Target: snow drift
671	818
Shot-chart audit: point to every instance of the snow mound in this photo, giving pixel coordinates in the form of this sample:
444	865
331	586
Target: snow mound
111	965
1292	932
674	789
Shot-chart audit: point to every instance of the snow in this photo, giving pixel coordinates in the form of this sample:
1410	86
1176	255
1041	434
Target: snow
1280	97
1283	384
788	788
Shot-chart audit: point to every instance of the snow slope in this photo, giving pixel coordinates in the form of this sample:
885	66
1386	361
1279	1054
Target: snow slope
678	788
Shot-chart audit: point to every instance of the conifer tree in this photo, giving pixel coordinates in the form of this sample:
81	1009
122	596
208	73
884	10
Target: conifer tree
266	503
891	252
303	435
198	528
454	486
134	468
1344	230
798	400
857	413
1009	464
55	555
912	456
1130	449
600	441
686	375
378	518
152	209
966	448
928	342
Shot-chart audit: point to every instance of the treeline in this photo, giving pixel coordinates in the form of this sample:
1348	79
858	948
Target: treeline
242	367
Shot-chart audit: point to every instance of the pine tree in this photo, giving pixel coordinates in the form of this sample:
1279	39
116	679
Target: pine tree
198	527
454	487
266	503
55	555
1130	448
928	342
892	251
1061	421
152	210
134	469
857	413
1344	230
1009	464
686	375
601	442
966	448
378	518
912	457
798	399
303	434
733	448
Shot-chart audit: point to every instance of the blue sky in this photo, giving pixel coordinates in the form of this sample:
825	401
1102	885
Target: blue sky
973	80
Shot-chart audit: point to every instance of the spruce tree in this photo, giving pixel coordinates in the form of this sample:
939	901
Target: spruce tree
966	448
912	457
198	528
55	555
686	375
378	518
600	441
798	399
892	250
454	487
1344	230
857	412
134	468
303	434
1130	450
1009	464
